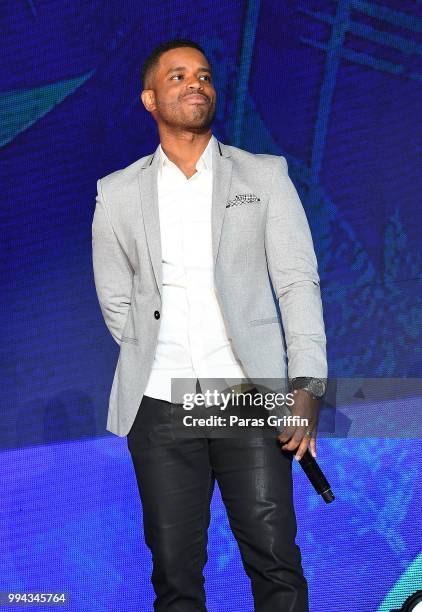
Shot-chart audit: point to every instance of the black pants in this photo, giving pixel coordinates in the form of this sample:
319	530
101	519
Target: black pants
176	478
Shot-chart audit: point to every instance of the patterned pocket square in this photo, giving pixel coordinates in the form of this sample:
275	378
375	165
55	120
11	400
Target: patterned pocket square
243	198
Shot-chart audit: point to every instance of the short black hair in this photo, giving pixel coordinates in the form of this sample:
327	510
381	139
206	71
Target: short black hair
154	57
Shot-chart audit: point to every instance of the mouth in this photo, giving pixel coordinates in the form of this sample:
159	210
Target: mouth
195	99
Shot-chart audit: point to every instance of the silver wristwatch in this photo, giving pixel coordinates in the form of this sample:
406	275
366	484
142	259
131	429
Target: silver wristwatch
316	387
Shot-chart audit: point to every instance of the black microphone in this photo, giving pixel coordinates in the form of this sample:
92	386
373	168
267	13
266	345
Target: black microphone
316	476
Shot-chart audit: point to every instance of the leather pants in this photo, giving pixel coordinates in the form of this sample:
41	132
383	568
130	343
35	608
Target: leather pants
176	477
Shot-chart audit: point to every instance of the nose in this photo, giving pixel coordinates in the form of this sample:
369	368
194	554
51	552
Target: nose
195	83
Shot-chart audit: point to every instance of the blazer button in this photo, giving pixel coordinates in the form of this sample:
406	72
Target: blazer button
156	314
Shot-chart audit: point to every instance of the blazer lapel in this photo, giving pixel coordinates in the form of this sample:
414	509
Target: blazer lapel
150	212
222	166
222	173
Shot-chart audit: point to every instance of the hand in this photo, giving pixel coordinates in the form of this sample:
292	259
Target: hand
293	437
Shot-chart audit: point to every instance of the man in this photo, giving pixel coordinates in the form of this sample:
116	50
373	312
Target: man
194	248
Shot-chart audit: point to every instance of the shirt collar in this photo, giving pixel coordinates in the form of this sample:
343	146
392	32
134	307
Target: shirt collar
205	161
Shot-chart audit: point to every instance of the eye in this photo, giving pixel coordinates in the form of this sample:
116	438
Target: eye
203	76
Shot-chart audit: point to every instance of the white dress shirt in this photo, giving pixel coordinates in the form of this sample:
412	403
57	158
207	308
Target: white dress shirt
192	340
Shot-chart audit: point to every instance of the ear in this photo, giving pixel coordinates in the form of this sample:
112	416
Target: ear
148	99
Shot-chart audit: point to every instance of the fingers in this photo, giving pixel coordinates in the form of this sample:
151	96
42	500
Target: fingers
302	448
286	435
293	443
299	443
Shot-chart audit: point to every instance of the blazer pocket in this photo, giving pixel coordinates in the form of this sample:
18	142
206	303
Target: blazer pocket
243	198
266	321
128	339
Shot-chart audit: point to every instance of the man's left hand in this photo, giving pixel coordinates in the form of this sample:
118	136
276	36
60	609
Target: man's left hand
294	438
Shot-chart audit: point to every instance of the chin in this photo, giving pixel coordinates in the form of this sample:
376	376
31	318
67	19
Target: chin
196	125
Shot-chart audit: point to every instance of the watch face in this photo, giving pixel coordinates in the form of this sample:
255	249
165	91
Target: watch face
317	387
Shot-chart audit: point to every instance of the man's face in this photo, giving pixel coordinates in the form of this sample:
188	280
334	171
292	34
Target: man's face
180	93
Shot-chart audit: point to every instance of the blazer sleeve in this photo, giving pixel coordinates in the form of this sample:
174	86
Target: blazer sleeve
113	274
293	269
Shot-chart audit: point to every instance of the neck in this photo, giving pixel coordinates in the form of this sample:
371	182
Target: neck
184	148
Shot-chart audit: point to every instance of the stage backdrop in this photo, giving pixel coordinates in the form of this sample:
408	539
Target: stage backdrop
335	87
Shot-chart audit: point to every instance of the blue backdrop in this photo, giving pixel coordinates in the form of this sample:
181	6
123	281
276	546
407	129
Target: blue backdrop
335	87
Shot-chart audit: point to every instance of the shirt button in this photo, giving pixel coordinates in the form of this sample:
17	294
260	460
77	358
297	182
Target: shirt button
156	314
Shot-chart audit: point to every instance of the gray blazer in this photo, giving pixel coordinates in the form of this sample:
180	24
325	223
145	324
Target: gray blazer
265	272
